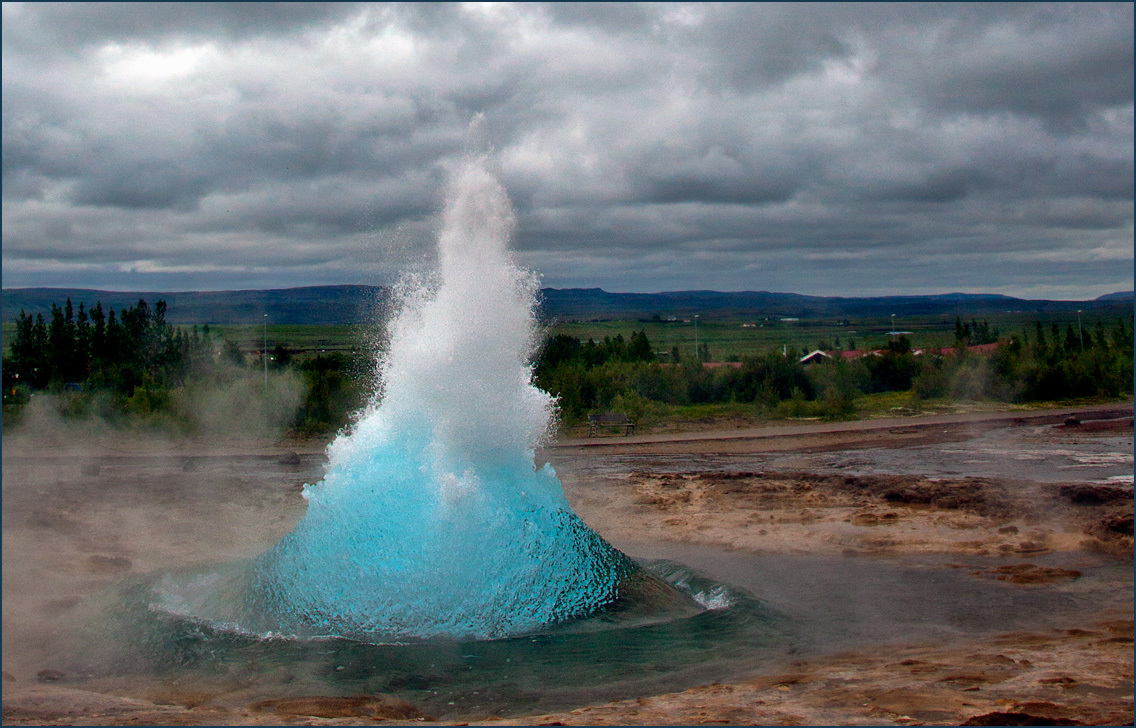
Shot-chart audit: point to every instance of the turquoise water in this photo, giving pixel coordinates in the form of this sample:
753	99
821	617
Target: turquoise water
644	642
433	520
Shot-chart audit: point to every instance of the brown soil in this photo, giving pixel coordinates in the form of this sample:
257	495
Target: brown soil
1030	574
78	518
375	707
798	512
816	436
1082	675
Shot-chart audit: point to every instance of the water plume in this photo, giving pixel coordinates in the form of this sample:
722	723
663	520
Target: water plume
431	520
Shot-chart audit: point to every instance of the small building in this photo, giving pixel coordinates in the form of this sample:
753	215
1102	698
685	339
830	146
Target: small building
814	356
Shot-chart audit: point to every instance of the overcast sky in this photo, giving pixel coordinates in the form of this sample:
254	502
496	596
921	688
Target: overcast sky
821	149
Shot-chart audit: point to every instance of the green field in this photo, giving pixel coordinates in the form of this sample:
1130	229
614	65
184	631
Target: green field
725	338
314	339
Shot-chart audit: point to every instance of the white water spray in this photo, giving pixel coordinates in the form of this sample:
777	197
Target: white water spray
431	520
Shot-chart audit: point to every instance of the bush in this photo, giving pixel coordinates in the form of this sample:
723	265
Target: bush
332	394
630	403
933	380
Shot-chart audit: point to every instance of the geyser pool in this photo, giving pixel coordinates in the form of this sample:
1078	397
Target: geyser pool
435	561
431	520
640	645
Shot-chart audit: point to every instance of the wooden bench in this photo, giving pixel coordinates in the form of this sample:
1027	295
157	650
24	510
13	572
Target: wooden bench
595	422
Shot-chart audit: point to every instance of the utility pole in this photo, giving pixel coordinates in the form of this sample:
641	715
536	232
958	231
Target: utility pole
266	352
697	353
1079	334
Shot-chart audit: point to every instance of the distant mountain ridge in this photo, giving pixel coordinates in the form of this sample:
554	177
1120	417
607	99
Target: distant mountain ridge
1119	296
350	304
595	302
358	304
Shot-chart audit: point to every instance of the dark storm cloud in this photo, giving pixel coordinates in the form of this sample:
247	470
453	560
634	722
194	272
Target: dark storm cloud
1058	64
716	175
828	148
762	45
63	27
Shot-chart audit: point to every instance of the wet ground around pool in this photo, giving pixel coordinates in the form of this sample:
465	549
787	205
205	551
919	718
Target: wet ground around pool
766	612
77	532
1044	453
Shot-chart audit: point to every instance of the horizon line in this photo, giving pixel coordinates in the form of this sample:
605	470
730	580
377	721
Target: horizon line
573	288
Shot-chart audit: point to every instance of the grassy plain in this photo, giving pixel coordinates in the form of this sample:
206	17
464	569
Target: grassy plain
309	338
725	338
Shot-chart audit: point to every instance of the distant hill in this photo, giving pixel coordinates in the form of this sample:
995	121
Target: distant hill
585	303
1119	296
359	304
310	305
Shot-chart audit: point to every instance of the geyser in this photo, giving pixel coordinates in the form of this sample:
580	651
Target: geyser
431	520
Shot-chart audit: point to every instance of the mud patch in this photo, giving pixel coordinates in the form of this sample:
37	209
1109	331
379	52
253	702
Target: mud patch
1030	574
1001	718
373	707
1094	493
1118	523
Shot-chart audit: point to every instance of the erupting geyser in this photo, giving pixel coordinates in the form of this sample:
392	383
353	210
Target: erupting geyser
431	520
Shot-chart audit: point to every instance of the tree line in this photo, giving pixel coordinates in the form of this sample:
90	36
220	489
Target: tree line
136	347
1045	365
134	363
144	366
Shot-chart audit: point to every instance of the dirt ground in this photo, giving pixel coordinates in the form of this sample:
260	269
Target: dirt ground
71	527
857	515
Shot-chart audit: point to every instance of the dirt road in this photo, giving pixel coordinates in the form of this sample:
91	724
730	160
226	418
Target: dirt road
834	434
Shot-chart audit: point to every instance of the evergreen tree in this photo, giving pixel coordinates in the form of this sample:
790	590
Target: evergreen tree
1100	339
1072	340
98	335
639	348
82	362
59	345
1039	346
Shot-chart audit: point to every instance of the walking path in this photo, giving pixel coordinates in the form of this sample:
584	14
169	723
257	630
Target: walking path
1047	416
